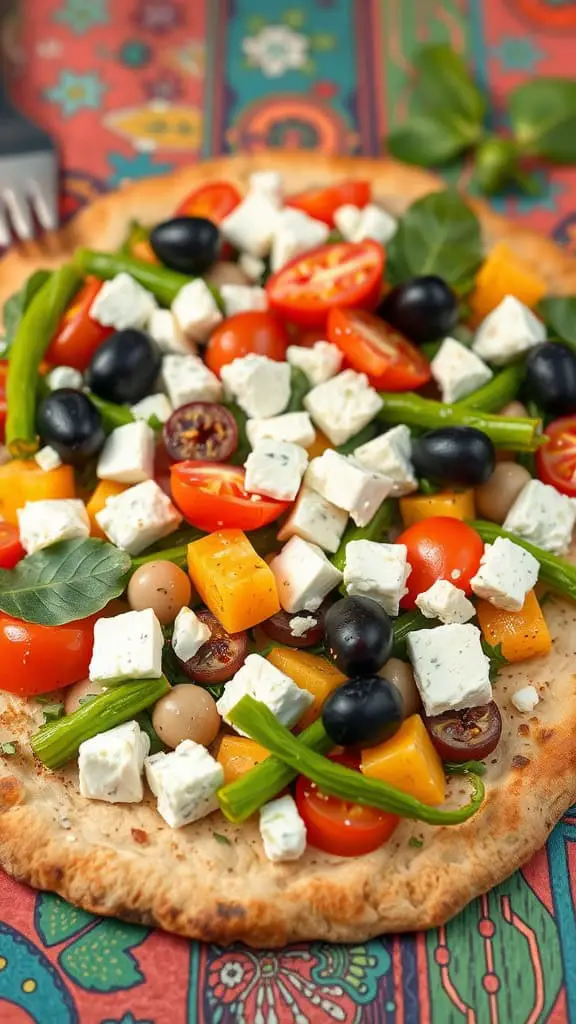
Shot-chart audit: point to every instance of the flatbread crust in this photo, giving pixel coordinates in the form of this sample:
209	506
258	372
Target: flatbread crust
124	861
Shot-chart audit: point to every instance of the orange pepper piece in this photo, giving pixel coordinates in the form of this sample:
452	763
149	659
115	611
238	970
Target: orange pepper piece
454	504
23	480
309	672
409	762
105	489
319	446
239	755
523	634
504	273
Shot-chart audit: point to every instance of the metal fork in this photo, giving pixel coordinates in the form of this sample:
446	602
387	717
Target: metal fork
28	176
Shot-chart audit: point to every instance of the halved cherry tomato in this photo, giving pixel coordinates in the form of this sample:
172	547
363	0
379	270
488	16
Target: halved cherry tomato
11	550
343	274
556	461
468	735
36	659
337	826
254	332
3	406
440	548
78	335
322	203
202	431
212	497
376	349
214	201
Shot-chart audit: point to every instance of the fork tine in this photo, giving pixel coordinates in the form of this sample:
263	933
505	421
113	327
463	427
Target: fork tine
5	234
20	214
44	205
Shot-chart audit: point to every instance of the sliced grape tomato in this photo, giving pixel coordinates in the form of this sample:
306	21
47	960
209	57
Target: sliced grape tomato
322	203
212	496
213	201
372	347
556	460
202	431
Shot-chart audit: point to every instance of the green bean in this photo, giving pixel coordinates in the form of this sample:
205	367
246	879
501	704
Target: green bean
503	388
376	529
406	624
162	282
557	572
112	415
368	433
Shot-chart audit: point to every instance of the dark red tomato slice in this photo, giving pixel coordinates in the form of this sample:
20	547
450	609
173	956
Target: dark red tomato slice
245	333
337	826
11	550
162	466
343	274
36	659
278	627
468	735
212	497
556	461
78	335
220	657
202	431
440	548
372	347
322	203
214	201
3	406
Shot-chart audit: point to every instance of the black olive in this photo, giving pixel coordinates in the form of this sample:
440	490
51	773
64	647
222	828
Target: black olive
125	367
363	712
454	455
422	309
551	377
187	244
358	634
68	422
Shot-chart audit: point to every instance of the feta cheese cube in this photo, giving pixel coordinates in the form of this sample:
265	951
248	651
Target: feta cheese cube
128	454
302	624
525	699
347	220
275	468
189	635
196	310
446	602
188	379
185	782
251	266
111	763
260	385
319	363
127	646
389	455
378	571
343	405
347	485
315	519
303	575
42	523
542	516
242	298
266	683
250	226
282	829
507	572
138	517
295	427
508	331
295	233
375	223
153	405
269	184
65	377
450	668
122	303
48	458
458	371
164	330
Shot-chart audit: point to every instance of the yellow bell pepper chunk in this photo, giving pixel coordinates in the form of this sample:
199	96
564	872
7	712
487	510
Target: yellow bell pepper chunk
409	762
231	578
523	634
504	273
22	480
239	755
454	504
319	446
105	489
309	672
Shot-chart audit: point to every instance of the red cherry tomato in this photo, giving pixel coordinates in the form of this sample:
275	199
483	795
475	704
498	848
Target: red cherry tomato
343	274
322	203
3	407
440	548
11	550
36	659
556	461
376	349
337	826
212	497
78	335
245	333
214	201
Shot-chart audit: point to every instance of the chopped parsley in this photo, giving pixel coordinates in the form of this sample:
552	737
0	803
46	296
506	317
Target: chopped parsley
9	747
221	839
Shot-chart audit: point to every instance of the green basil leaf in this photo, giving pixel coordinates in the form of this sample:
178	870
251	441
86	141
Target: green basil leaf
65	582
559	315
497	659
17	304
299	388
444	83
431	139
543	115
438	234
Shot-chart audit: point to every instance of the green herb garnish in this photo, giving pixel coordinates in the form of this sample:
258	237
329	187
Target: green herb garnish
415	842
223	840
497	659
8	748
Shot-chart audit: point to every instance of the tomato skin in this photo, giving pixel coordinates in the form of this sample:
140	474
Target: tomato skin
211	496
78	335
439	548
11	550
372	347
245	333
213	201
36	659
322	203
556	461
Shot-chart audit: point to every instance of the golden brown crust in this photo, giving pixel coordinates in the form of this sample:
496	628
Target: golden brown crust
124	861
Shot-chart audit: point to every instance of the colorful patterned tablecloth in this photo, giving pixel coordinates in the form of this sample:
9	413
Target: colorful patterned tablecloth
133	88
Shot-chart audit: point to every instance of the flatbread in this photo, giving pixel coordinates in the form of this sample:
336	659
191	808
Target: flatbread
123	860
